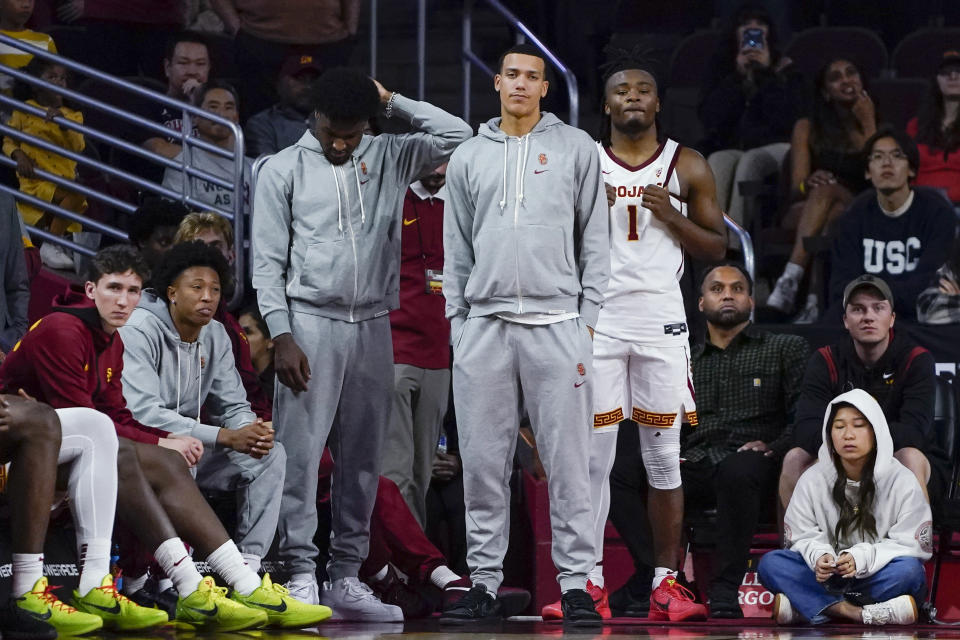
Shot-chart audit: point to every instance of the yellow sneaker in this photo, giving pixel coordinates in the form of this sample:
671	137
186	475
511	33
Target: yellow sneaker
62	617
281	608
209	609
118	611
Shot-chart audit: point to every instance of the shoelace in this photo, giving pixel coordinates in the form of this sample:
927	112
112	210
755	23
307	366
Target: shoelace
358	589
679	591
50	598
111	590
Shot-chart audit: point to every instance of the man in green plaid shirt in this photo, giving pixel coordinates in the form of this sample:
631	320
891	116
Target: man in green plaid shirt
747	383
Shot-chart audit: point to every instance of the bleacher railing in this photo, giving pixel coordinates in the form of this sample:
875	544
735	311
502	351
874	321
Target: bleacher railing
188	143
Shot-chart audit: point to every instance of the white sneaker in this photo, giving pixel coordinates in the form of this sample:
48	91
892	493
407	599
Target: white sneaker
304	587
55	256
899	610
783	611
352	600
784	294
810	311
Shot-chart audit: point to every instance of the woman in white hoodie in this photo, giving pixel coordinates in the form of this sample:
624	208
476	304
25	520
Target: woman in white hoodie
857	529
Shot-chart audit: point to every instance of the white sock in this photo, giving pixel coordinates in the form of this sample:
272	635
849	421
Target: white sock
27	569
165	583
442	576
173	558
793	271
132	585
94	564
380	575
227	561
596	576
252	561
661	573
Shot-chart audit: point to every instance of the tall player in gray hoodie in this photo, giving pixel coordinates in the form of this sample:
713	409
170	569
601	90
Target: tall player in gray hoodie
326	255
527	259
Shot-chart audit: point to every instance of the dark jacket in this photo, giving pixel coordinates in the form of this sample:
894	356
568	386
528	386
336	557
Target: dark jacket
68	360
902	382
15	295
735	116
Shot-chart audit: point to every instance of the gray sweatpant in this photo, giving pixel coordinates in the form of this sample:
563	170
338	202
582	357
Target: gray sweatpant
497	366
419	404
347	407
258	484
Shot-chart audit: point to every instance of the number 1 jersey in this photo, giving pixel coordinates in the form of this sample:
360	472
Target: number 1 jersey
643	302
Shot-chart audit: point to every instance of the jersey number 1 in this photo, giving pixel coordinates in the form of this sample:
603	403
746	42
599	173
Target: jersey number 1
632	235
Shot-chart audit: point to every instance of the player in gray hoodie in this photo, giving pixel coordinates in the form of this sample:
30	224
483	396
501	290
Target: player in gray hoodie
326	255
527	258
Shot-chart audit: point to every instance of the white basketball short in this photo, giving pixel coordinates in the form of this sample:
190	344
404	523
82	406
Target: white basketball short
650	384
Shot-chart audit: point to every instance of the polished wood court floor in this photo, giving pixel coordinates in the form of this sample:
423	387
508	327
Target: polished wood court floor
533	629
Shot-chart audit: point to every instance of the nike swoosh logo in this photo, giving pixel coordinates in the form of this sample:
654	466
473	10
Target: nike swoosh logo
364	181
607	172
279	608
115	609
207	612
577	385
177	563
39	616
887	376
539	171
407	223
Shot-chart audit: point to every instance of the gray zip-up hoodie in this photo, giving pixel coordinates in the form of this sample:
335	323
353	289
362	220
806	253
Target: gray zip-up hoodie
326	238
166	380
526	227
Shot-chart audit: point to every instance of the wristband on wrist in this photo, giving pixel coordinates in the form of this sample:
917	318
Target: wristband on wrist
388	110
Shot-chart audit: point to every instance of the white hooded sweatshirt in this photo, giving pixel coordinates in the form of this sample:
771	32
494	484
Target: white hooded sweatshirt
904	524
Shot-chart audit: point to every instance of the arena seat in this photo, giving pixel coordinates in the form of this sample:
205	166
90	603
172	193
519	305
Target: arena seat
917	55
812	48
898	99
946	410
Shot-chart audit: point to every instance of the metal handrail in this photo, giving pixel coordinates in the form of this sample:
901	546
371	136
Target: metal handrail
470	58
746	244
187	141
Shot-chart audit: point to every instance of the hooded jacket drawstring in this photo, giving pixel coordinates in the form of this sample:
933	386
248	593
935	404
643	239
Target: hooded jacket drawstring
523	153
356	174
336	181
503	199
199	381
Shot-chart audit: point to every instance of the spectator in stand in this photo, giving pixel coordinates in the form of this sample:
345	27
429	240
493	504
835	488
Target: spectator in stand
186	65
893	231
749	109
857	531
266	32
14	284
29	158
14	15
219	98
940	302
891	368
261	348
214	231
827	168
937	130
421	346
282	124
123	37
153	227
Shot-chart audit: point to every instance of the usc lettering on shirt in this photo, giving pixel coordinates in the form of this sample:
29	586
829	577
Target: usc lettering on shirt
891	256
646	260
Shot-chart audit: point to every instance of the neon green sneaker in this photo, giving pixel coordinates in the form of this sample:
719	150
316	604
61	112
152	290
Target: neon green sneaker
209	609
118	611
281	608
62	617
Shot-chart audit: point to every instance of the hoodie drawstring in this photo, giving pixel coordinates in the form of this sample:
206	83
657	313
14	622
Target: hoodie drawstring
336	182
356	174
199	380
503	199
178	380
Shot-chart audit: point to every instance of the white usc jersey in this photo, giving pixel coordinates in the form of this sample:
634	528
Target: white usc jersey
643	301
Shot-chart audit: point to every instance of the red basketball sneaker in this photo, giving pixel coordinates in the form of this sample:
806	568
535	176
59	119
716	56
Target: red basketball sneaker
553	611
674	602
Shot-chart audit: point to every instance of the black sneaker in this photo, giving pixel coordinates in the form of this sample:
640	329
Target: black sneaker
579	610
165	600
724	601
632	600
17	623
477	606
392	590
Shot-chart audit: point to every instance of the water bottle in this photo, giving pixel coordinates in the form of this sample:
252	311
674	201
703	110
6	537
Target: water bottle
442	444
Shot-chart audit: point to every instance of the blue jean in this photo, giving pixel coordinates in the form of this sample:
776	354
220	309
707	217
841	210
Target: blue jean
786	572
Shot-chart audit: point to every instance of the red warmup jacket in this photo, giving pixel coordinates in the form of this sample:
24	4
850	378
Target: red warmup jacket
68	360
421	332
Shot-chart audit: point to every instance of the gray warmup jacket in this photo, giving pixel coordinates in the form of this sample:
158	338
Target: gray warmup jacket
526	226
14	285
326	238
166	381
